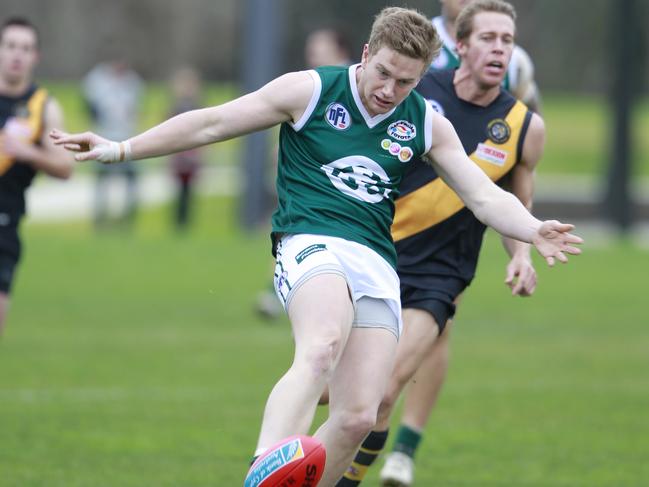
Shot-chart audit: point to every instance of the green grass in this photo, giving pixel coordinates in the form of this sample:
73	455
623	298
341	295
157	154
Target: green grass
136	360
579	133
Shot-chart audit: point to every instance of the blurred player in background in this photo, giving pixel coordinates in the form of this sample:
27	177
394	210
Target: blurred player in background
27	114
327	47
113	92
185	166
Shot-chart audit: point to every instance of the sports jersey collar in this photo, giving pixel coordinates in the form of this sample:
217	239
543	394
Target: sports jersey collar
369	120
447	40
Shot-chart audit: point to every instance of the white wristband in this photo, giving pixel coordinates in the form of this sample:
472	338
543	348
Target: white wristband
113	152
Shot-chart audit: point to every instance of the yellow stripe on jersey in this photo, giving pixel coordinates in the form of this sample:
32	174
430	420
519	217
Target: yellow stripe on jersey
36	107
34	121
436	201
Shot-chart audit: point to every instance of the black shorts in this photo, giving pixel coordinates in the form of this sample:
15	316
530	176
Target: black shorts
7	266
435	294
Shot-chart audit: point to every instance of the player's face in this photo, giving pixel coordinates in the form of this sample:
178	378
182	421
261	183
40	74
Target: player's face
386	79
18	53
452	8
489	48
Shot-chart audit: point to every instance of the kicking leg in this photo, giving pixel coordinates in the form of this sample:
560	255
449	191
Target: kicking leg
321	315
356	389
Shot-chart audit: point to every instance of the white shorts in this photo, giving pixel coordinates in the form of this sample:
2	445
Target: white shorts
302	256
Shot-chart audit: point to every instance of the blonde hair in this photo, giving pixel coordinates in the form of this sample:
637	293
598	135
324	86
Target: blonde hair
464	21
407	32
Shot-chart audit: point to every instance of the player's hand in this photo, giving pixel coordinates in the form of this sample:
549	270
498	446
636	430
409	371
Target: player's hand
553	240
89	146
521	276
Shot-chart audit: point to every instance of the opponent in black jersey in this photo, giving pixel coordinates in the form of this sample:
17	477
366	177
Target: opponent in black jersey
26	115
437	238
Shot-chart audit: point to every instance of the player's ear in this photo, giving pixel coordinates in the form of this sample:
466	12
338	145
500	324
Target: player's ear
365	56
461	48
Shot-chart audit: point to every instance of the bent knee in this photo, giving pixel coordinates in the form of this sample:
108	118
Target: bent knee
355	426
320	358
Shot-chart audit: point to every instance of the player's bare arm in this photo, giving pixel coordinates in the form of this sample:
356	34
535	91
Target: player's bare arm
520	272
46	157
281	100
492	205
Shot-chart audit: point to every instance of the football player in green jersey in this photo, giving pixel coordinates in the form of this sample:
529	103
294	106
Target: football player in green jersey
346	138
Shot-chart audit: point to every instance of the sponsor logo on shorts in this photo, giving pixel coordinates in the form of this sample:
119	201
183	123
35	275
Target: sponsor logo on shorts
402	130
311	249
359	177
491	154
498	131
338	116
271	463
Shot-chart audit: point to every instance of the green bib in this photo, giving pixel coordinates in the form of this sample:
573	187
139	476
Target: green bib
339	168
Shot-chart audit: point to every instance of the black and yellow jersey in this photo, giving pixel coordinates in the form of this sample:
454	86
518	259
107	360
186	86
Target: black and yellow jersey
434	233
23	116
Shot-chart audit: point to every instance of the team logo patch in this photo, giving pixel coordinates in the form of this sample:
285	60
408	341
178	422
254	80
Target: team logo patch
359	177
402	130
491	154
437	106
403	153
288	453
338	116
498	131
311	249
394	148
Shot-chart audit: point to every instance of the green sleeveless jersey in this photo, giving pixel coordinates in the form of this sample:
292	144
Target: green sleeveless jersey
339	168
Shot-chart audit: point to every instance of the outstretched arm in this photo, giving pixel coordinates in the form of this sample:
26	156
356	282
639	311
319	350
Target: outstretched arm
281	100
492	205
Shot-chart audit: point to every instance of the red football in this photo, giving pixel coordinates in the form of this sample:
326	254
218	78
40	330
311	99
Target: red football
296	461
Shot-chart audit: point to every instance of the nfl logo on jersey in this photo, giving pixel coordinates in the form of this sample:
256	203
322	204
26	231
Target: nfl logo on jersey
338	117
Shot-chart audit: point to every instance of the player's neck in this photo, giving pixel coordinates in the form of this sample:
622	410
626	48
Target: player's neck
468	90
14	88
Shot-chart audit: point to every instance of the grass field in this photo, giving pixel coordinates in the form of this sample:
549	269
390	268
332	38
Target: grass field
136	360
